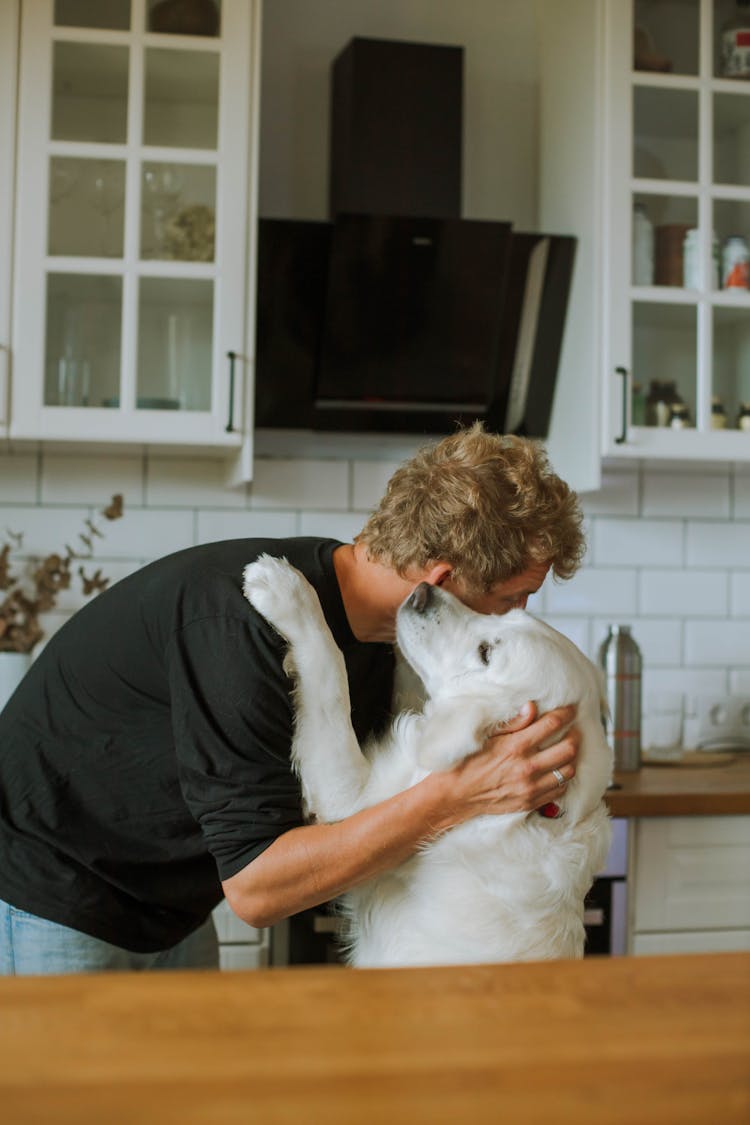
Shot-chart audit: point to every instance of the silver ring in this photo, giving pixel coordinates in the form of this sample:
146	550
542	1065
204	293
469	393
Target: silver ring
559	777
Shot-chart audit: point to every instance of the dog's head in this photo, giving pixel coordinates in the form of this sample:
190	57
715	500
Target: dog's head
479	670
457	651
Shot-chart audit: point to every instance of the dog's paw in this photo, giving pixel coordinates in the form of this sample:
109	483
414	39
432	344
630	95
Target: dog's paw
281	594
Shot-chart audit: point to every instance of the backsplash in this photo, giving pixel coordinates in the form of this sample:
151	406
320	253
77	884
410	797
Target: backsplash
668	548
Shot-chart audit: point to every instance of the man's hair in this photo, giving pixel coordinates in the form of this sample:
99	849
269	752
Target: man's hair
488	504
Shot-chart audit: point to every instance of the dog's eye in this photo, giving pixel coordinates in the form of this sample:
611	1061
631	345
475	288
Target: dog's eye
484	652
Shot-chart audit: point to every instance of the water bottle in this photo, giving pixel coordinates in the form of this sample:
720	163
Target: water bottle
620	658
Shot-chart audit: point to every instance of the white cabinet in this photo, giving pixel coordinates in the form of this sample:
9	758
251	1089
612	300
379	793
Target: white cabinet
690	884
240	946
135	222
676	144
8	56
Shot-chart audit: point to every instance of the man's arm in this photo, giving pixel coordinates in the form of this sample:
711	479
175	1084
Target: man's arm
315	863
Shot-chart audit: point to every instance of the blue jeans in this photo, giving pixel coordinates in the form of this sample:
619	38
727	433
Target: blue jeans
30	945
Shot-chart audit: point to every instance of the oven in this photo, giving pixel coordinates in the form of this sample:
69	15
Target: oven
606	908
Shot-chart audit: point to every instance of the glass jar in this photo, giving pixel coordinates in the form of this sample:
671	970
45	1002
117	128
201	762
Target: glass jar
679	417
691	260
735	42
643	246
735	266
718	414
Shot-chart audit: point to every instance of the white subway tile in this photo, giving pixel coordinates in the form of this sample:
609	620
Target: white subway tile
576	629
641	542
191	483
45	530
147	533
711	643
683	494
689	593
91	479
587	528
112	569
300	484
717	544
689	681
369	481
741	505
593	591
214	526
331	525
535	603
18	478
618	495
686	467
740	594
739	681
660	641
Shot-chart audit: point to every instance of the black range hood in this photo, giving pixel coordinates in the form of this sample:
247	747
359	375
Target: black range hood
398	315
394	324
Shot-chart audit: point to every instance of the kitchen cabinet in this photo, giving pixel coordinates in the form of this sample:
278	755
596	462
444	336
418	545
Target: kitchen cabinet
135	222
690	885
623	145
8	56
240	946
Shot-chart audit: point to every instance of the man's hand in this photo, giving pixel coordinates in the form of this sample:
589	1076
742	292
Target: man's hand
514	771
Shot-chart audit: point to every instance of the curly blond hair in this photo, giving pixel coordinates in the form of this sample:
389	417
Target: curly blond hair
488	504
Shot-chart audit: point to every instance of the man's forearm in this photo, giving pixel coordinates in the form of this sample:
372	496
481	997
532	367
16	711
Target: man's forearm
317	862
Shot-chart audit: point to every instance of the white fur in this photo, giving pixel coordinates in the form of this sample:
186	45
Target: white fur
497	888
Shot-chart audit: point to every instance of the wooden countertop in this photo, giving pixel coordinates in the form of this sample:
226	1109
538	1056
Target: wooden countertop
662	1040
684	790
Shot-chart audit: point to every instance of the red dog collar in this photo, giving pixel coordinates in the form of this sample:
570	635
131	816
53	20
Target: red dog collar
551	811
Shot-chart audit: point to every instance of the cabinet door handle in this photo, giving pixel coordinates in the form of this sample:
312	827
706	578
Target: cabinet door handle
231	356
623	437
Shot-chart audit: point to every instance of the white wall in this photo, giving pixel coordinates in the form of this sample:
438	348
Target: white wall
669	552
300	41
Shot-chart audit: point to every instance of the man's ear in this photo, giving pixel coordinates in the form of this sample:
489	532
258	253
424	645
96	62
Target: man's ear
438	573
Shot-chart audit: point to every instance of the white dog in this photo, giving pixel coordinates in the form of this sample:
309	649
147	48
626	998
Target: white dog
496	888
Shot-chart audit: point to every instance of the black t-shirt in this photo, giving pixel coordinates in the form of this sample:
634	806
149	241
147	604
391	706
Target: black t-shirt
146	754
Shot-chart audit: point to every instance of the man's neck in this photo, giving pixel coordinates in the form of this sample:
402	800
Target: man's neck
371	593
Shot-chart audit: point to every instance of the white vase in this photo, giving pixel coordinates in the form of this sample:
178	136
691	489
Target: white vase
13	668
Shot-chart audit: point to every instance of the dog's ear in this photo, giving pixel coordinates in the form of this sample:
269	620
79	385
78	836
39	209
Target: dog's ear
448	733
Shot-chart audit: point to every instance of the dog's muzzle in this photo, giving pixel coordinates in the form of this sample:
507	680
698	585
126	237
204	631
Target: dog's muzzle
421	598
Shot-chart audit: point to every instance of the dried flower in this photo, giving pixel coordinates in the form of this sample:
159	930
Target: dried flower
21	608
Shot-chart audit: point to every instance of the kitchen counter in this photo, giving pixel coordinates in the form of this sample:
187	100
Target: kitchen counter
684	790
656	1039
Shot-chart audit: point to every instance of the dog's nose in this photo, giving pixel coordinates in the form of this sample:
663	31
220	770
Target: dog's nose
421	597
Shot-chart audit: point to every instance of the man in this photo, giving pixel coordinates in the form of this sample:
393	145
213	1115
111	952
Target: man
144	760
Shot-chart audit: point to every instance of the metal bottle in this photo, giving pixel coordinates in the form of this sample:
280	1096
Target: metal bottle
620	658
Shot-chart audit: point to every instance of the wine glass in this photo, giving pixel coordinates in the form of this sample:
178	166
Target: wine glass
105	192
162	190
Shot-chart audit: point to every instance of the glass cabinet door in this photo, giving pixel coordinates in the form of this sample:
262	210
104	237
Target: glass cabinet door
689	209
141	170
